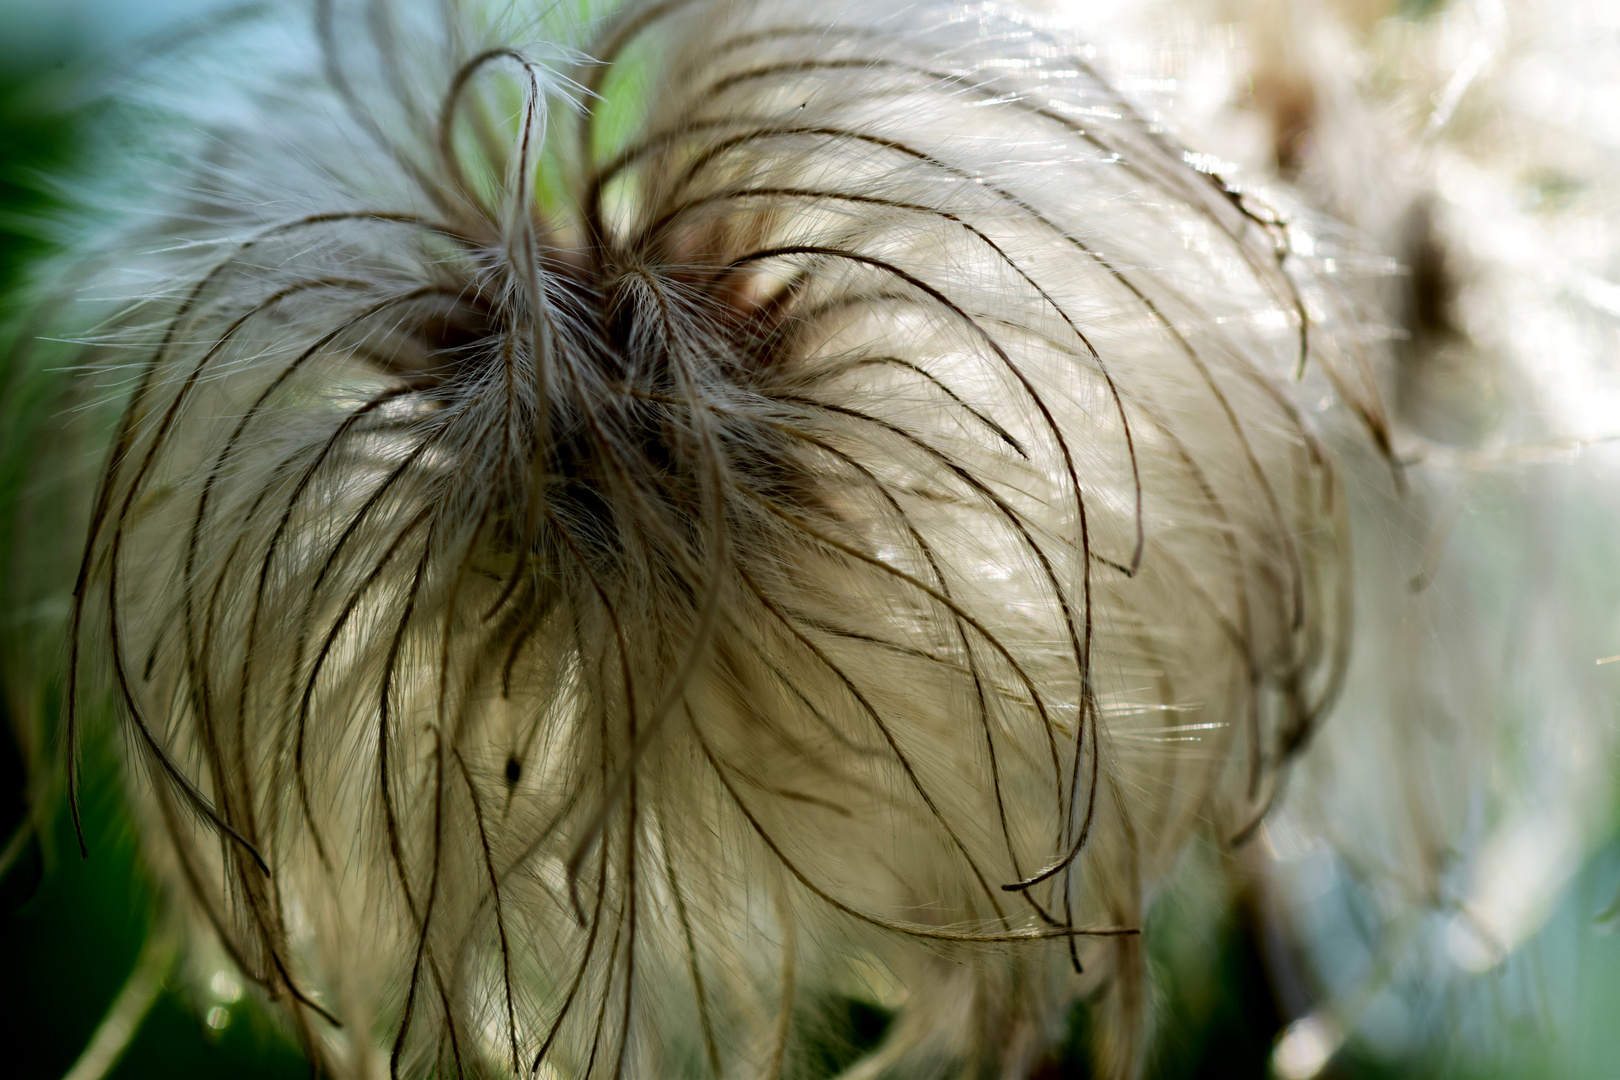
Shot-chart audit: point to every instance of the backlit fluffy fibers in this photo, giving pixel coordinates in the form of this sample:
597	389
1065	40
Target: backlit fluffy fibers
626	526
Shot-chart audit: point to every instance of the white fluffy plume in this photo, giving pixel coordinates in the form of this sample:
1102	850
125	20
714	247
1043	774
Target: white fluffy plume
624	527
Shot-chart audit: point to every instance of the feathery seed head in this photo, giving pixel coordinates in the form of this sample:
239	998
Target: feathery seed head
739	496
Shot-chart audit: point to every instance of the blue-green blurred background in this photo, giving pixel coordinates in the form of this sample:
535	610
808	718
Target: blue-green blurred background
70	929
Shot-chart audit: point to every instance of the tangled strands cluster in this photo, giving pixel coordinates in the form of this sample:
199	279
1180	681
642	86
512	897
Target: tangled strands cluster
683	518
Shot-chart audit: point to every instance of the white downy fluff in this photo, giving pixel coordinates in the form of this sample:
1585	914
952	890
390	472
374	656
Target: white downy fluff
630	526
